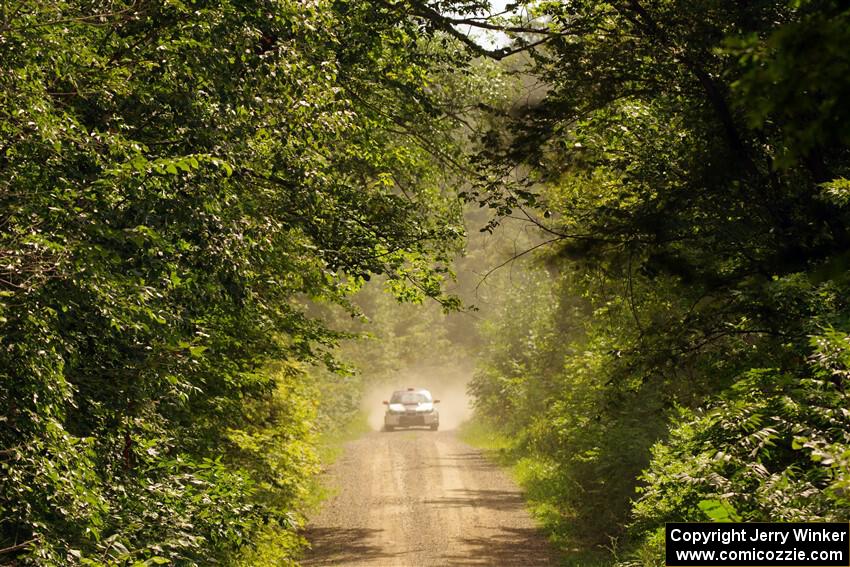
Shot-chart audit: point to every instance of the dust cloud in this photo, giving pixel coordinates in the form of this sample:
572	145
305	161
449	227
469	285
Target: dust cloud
419	346
446	383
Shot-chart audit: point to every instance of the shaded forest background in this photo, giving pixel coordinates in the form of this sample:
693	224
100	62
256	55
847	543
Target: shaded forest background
203	204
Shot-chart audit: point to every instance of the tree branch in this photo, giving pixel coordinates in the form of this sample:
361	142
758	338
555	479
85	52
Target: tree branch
641	18
18	547
446	24
516	257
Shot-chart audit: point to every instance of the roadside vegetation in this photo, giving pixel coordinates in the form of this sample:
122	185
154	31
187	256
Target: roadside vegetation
192	194
678	350
179	183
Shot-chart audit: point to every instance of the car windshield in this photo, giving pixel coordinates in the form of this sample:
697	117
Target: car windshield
410	398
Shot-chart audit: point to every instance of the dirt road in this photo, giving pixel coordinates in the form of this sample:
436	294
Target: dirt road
419	498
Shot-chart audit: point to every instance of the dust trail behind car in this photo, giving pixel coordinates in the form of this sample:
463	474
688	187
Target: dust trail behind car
446	383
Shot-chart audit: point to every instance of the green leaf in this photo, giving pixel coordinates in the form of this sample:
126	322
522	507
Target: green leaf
719	511
197	351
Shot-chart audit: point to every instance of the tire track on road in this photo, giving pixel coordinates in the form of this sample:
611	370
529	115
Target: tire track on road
420	498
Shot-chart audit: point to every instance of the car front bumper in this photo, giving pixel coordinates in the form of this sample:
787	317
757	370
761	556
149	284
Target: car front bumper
421	419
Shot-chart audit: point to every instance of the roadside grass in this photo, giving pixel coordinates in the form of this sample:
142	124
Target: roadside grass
536	478
330	442
329	447
276	546
283	545
495	446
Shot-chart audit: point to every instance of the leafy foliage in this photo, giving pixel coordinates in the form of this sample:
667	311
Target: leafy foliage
177	179
773	447
182	183
686	167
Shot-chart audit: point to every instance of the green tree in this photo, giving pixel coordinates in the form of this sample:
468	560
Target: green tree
175	179
688	165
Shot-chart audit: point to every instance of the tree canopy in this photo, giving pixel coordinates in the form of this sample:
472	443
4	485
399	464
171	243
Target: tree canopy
176	177
687	166
182	183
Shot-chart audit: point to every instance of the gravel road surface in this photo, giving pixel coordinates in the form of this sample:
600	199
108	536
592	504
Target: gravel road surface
420	498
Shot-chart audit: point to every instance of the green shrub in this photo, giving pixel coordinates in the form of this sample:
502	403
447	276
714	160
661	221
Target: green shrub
773	447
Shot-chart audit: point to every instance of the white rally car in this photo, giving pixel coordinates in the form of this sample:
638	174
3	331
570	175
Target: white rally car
411	408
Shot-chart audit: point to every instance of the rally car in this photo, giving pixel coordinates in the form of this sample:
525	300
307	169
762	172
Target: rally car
413	407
